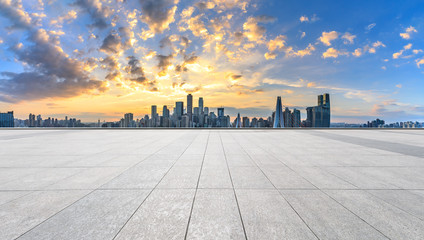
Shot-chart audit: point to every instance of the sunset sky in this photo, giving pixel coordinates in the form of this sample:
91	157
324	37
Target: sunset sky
94	59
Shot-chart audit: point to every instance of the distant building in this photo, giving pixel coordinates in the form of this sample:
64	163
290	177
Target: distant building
190	108
278	117
296	123
7	120
238	121
287	116
201	106
179	109
319	116
128	120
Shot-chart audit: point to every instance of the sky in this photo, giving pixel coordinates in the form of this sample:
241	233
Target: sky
99	59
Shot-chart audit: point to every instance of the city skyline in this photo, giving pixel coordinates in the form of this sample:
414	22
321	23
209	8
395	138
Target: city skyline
102	59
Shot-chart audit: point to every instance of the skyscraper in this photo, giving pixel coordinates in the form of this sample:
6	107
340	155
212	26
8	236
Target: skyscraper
201	105
238	121
278	118
296	118
165	111
190	108
128	120
319	116
7	120
154	111
287	115
179	109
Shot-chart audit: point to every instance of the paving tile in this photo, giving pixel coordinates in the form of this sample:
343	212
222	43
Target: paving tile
267	215
284	178
249	177
391	221
157	218
215	177
181	177
22	214
215	216
100	215
327	218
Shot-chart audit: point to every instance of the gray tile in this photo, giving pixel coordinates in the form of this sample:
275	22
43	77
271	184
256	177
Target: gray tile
327	218
142	176
249	177
164	215
100	215
391	221
22	214
407	200
266	215
284	178
181	177
215	177
215	216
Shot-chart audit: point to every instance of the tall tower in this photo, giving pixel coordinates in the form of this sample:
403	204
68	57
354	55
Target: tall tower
154	111
238	122
201	105
179	108
278	119
190	109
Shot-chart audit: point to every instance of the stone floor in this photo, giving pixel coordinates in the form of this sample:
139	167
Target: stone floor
211	184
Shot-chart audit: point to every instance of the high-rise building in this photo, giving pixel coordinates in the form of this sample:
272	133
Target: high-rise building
278	118
287	115
154	111
7	119
319	116
128	120
190	108
165	111
238	121
201	106
179	109
246	122
296	118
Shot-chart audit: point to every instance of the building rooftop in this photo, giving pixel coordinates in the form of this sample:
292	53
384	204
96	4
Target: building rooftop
211	184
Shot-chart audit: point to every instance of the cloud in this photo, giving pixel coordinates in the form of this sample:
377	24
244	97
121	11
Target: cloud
332	53
158	14
117	42
417	51
369	27
397	55
135	70
327	37
419	62
111	44
164	63
357	52
304	19
303	35
253	31
277	44
68	17
98	12
349	38
13	10
50	71
55	75
300	53
269	56
408	32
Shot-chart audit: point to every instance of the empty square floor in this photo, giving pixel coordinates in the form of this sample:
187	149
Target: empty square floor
211	184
